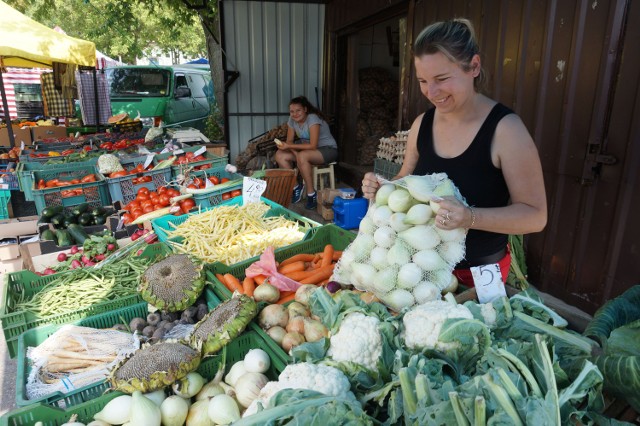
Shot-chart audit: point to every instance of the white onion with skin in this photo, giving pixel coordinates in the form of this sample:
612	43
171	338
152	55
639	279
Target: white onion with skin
144	412
382	195
277	334
248	387
117	411
237	370
409	275
398	222
304	292
174	411
223	410
266	293
257	361
199	412
273	315
378	258
384	236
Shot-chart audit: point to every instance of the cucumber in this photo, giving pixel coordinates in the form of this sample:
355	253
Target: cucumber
50	212
64	238
77	233
48	235
79	209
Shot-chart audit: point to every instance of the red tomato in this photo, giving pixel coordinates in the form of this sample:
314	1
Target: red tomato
214	180
164	200
223	180
127	218
226	195
162	190
148	208
186	205
236	192
136	214
153	195
198	182
172	192
143	190
142	197
192	186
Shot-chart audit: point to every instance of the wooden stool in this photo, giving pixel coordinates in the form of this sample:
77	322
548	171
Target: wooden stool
322	171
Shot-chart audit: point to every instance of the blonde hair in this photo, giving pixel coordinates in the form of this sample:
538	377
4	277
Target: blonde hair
456	40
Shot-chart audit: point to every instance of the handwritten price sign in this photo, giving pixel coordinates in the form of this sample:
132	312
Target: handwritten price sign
252	190
488	282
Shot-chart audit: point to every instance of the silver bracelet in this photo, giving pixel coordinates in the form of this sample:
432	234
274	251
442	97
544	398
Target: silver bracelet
473	217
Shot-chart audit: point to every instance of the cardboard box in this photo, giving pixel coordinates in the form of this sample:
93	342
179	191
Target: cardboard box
13	265
325	211
11	228
19	135
9	249
326	196
217	149
48	132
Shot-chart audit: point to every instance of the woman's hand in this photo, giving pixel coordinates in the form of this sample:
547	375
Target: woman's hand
370	186
452	214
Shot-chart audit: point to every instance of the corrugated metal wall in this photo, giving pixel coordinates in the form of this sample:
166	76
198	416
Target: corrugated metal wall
277	48
570	69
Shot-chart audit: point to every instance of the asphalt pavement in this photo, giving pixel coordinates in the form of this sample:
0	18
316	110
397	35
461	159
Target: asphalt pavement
8	368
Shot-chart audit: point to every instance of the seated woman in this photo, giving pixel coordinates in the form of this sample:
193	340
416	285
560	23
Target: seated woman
314	146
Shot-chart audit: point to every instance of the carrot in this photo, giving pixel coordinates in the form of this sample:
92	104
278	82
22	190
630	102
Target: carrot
286	296
299	275
327	255
297	257
292	267
220	278
233	283
259	279
320	274
248	285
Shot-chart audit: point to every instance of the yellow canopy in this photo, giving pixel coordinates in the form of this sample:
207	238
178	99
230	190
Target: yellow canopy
27	43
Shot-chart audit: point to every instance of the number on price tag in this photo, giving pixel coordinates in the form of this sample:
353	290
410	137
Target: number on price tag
252	189
200	151
148	161
488	282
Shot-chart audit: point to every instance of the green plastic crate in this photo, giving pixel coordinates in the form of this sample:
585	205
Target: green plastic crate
124	190
162	224
16	323
38	335
314	242
5	196
386	168
50	416
214	197
96	194
176	169
24	171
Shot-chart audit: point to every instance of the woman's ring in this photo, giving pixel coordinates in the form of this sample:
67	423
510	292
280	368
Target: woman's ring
446	216
443	222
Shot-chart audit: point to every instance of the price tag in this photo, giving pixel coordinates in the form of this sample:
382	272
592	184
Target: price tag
21	145
178	151
252	189
208	184
164	151
148	161
200	151
120	223
488	282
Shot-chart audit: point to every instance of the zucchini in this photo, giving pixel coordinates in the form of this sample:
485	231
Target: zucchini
79	209
48	235
98	211
50	212
85	219
64	238
78	233
58	221
69	219
100	220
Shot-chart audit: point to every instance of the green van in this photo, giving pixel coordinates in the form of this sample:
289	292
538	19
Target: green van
180	95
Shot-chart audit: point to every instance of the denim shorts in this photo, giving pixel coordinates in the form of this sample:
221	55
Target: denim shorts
329	153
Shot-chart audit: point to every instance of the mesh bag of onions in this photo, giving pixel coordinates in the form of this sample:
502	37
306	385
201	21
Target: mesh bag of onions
399	254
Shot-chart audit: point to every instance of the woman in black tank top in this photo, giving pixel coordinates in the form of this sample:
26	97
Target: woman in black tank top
481	145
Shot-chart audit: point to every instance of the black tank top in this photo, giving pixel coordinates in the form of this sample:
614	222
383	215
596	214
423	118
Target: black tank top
479	181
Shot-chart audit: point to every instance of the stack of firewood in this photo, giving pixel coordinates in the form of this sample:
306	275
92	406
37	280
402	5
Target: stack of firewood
378	111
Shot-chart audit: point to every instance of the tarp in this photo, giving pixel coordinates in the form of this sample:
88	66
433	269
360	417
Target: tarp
199	61
27	43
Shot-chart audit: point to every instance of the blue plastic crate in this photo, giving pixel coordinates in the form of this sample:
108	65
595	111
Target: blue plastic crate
214	196
123	189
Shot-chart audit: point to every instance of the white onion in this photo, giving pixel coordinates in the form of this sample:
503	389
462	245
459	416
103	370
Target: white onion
385	280
418	214
384	236
398	254
429	260
117	411
398	223
378	258
199	412
456	234
409	275
248	387
237	370
366	225
144	412
451	252
381	216
223	410
425	292
398	299
174	410
257	361
383	193
420	237
400	200
420	187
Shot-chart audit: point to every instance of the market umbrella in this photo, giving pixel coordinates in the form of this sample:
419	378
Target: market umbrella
27	43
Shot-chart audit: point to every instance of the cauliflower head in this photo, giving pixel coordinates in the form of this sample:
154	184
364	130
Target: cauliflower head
321	378
358	340
423	323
